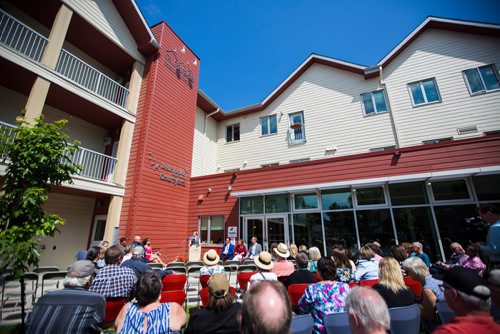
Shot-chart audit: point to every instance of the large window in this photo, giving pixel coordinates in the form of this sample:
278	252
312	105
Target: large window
408	193
336	199
450	190
487	187
307	230
370	196
482	79
212	229
424	92
376	225
268	125
232	133
340	230
297	132
374	102
251	205
277	203
306	201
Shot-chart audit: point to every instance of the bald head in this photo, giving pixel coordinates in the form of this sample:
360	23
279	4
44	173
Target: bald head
138	239
266	309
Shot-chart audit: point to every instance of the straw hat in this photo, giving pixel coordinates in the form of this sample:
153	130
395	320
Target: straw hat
218	286
264	261
282	250
211	257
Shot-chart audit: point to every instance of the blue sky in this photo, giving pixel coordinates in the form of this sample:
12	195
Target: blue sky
247	48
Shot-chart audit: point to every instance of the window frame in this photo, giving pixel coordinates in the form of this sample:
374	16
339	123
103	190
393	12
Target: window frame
268	123
485	90
421	86
318	202
209	228
435	201
232	132
376	112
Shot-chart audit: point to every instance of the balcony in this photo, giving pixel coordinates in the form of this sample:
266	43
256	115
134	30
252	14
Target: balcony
20	38
94	165
297	135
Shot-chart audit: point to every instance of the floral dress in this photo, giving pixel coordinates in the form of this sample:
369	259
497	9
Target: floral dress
345	275
321	299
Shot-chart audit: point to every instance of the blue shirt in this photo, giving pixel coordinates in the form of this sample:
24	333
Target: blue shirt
424	257
367	269
433	284
492	246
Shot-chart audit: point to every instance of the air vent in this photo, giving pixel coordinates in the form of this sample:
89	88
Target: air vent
437	140
493	132
467	129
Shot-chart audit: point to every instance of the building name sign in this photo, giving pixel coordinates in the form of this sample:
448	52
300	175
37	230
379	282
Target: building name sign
169	173
180	71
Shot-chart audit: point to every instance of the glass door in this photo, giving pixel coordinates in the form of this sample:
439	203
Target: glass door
98	230
253	226
276	230
267	229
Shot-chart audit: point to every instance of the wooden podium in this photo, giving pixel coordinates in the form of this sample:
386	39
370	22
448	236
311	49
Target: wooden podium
195	253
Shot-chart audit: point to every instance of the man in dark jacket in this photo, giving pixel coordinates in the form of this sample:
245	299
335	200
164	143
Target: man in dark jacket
137	264
303	275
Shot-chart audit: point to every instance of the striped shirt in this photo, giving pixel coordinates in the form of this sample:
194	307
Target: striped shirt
70	310
158	320
114	281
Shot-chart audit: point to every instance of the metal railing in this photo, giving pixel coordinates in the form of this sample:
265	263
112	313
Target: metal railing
296	135
87	76
21	38
93	164
18	36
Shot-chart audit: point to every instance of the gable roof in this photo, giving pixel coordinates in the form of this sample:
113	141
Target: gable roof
208	105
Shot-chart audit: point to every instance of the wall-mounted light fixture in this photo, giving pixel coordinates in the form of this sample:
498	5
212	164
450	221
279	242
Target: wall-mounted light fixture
229	188
209	190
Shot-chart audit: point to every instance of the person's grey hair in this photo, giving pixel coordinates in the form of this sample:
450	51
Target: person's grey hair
495	276
476	302
76	282
314	254
416	268
418	244
369	308
302	260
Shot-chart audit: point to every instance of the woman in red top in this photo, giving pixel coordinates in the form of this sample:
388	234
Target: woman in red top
155	258
240	251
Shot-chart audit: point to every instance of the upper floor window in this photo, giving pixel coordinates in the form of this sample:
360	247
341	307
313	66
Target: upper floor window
437	140
268	125
374	102
424	92
232	133
482	79
297	132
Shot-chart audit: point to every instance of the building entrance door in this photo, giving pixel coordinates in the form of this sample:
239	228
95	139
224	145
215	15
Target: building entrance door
267	229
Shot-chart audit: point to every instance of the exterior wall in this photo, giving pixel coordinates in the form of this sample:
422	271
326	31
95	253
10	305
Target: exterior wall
103	15
154	207
443	55
11	105
333	116
78	212
204	144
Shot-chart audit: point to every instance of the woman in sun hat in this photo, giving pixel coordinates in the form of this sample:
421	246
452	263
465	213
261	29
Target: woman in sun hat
211	261
264	263
282	267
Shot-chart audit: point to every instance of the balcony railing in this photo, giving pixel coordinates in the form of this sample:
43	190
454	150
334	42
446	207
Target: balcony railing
21	38
296	135
93	165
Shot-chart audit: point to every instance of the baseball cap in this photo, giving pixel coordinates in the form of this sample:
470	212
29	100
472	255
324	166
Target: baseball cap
467	281
81	268
218	286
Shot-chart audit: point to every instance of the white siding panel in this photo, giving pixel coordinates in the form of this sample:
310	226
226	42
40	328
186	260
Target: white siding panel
204	145
333	117
443	55
11	105
60	250
103	15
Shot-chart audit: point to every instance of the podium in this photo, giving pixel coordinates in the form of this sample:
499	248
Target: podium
194	253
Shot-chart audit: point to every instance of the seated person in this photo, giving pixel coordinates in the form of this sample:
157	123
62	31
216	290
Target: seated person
148	315
456	257
472	260
227	251
264	264
240	251
83	311
137	264
418	251
344	269
303	275
392	286
314	256
211	260
282	267
367	266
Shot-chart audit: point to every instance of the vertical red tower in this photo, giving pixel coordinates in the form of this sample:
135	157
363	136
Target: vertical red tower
157	187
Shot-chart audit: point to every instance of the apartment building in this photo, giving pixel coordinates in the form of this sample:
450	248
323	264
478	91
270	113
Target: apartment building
82	61
341	153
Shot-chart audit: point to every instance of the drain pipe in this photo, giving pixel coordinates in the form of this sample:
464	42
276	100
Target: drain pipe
204	139
391	115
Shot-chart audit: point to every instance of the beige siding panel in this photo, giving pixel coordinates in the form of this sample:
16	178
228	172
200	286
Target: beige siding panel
11	105
204	145
60	250
103	15
443	55
333	117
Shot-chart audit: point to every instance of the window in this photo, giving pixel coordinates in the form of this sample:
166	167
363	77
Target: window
336	199
277	203
340	229
272	164
383	148
437	140
424	92
450	190
374	102
251	205
306	201
212	229
307	230
232	133
268	125
231	170
408	193
294	161
370	196
482	79
487	187
297	131
376	225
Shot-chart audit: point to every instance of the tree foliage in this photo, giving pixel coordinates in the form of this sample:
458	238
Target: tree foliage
37	158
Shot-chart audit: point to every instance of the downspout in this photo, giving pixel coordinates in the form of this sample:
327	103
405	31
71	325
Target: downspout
391	115
204	139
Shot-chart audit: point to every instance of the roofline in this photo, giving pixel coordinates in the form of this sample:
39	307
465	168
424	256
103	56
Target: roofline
179	37
153	40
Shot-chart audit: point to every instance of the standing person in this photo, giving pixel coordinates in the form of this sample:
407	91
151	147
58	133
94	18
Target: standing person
148	255
240	251
72	309
367	267
147	314
314	256
392	286
264	264
302	275
194	247
227	251
221	314
468	295
490	213
254	249
211	260
282	267
325	297
419	252
368	313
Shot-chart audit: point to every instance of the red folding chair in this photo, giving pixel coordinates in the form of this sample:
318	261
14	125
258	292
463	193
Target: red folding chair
243	279
317	276
353	284
204	280
173	296
204	295
173	282
113	307
369	282
295	291
414	285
